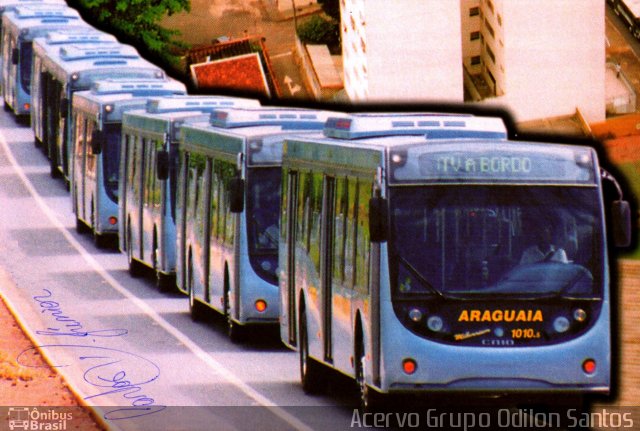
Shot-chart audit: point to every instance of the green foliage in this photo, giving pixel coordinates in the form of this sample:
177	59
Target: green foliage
320	31
136	22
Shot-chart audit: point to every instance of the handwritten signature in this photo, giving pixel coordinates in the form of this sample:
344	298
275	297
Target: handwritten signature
112	371
72	327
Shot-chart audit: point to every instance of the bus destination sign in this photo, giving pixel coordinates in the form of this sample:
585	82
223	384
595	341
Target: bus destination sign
547	165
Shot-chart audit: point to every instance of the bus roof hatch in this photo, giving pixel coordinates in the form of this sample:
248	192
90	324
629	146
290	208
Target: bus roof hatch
138	87
79	52
90	36
434	126
45	11
197	103
286	118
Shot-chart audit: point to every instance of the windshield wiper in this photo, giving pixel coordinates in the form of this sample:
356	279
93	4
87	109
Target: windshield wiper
420	277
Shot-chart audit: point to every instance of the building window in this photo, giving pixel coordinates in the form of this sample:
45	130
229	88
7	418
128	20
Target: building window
491	55
490	5
474	11
475	35
475	60
489	28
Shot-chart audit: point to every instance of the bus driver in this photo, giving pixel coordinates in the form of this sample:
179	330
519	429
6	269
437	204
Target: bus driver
544	250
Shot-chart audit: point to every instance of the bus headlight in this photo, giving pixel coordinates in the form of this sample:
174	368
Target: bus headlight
561	324
435	323
579	315
415	315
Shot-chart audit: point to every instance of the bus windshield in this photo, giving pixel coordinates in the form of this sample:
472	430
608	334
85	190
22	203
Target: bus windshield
111	159
486	241
26	50
263	200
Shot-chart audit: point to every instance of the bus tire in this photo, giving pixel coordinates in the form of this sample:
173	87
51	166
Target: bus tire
101	241
53	165
235	331
135	267
81	227
165	282
370	400
195	308
310	369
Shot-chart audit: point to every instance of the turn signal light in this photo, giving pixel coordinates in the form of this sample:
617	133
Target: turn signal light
261	305
589	366
409	366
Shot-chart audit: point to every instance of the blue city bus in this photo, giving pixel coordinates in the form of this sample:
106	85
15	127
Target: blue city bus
411	241
148	194
97	126
42	84
74	68
227	212
19	28
11	5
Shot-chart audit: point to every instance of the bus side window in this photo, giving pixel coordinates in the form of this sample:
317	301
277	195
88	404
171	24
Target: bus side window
157	184
215	201
229	173
302	209
363	243
91	158
316	215
340	226
351	224
79	138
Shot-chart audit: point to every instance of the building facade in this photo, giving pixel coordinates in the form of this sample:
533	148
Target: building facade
536	58
406	51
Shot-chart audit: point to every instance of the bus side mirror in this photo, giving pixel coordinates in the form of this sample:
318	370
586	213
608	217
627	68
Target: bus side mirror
15	56
96	142
162	165
621	223
236	194
377	219
64	106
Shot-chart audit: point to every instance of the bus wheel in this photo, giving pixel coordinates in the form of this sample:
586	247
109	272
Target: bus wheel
101	241
310	369
135	267
195	308
164	282
370	400
81	227
234	330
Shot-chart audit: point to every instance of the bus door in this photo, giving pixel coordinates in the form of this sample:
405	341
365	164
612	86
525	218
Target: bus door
292	223
326	265
123	194
79	183
140	150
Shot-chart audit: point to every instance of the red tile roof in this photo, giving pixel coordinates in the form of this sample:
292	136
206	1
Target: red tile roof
240	73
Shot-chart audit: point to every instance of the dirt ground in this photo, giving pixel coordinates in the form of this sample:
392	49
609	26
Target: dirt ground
33	387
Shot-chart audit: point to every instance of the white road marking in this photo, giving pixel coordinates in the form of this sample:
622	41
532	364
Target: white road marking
216	366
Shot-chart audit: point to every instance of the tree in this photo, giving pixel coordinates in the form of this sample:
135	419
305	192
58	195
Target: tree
136	22
331	8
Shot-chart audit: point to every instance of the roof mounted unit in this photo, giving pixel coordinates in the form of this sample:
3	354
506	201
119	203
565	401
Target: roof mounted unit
141	86
80	52
46	11
86	36
285	118
197	103
434	126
